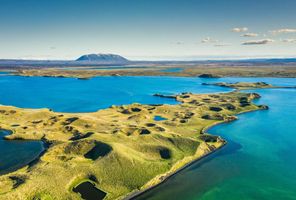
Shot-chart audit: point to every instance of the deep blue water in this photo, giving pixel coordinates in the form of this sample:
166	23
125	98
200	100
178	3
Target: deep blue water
16	154
72	95
258	163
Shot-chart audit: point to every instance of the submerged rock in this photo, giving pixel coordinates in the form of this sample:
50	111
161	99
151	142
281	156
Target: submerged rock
165	96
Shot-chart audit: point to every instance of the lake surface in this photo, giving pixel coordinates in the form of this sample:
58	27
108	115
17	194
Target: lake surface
258	163
172	70
16	154
72	95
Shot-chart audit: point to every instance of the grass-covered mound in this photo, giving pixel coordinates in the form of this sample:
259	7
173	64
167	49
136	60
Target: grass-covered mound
119	150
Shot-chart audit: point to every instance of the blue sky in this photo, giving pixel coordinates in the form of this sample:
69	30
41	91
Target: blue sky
147	29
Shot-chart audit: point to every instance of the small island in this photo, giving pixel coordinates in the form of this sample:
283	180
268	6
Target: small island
247	85
117	152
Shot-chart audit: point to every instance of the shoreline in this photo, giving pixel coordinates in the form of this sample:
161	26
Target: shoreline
166	74
45	145
210	71
187	161
176	75
166	178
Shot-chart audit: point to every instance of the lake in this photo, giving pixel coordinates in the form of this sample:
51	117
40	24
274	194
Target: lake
16	154
72	95
258	162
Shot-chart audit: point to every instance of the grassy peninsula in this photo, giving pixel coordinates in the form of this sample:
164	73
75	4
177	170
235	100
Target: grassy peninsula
121	150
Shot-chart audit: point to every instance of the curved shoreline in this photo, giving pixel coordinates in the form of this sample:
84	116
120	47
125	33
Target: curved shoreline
207	147
166	178
45	145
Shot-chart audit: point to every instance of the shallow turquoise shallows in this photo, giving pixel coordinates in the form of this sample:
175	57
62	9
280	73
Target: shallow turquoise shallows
258	162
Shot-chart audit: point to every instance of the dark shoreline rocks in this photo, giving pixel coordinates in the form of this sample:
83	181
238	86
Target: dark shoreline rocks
165	96
209	76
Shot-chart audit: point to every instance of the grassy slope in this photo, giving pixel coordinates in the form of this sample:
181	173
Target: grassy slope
132	141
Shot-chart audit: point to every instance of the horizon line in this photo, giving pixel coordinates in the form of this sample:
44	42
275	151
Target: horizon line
164	58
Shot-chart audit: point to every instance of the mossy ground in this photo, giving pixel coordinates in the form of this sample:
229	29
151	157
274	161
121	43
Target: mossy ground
135	151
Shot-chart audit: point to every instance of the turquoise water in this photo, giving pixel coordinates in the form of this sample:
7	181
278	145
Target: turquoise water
16	154
259	162
172	70
159	118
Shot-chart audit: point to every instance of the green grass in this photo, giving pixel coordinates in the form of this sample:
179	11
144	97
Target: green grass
116	157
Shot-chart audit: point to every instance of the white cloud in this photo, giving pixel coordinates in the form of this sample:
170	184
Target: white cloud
209	40
258	42
285	30
249	35
222	44
290	40
239	29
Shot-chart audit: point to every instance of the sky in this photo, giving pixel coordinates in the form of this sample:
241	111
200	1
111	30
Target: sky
147	29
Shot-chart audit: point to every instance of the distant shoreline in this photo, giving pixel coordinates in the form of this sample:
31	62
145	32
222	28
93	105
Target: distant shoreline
201	70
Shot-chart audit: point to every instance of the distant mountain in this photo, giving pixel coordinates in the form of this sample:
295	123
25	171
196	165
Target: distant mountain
103	59
113	59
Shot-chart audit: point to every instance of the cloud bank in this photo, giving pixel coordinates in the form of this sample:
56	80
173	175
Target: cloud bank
258	42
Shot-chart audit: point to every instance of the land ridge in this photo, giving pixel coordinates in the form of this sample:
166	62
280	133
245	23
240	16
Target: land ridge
202	71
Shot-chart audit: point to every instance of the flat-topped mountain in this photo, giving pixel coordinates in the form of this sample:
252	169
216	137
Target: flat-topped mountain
103	58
